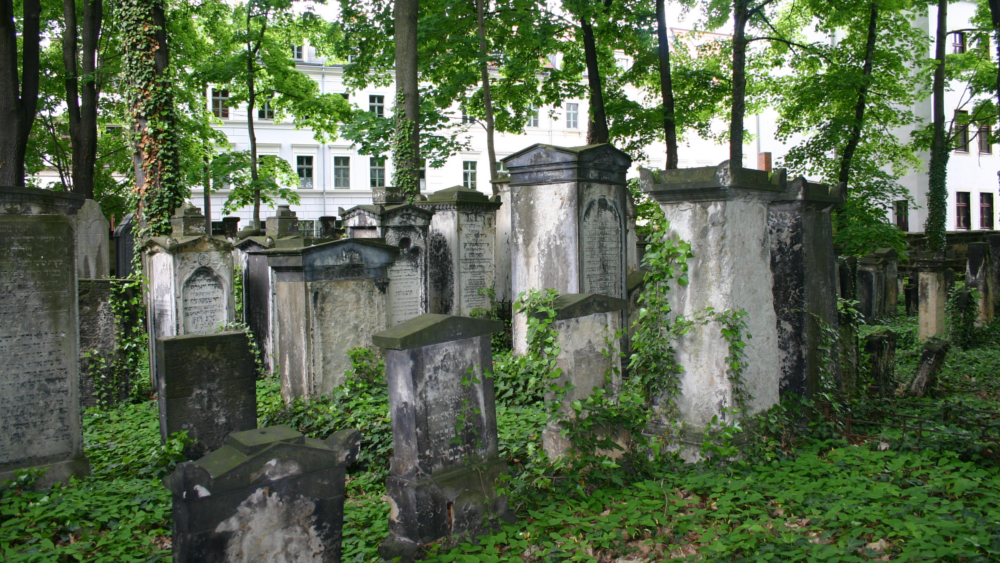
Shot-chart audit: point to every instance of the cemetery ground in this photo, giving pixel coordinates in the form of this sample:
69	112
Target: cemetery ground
798	490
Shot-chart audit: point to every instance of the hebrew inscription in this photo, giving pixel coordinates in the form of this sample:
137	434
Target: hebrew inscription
475	261
204	302
405	287
602	240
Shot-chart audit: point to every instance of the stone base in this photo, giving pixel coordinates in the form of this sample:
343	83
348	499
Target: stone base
56	472
457	502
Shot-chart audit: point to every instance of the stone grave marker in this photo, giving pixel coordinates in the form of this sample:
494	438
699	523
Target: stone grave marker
502	283
207	386
871	287
361	221
97	345
994	242
124	247
93	252
258	295
406	227
891	259
932	296
268	494
39	335
442	474
931	361
881	348
328	298
977	276
231	227
331	228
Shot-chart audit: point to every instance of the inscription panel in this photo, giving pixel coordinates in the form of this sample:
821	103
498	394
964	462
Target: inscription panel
204	301
603	250
475	247
405	287
39	403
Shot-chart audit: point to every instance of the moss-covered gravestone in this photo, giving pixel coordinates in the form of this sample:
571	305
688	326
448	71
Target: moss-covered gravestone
444	432
269	494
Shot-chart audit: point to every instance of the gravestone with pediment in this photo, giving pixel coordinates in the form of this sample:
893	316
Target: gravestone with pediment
328	299
40	415
569	211
406	227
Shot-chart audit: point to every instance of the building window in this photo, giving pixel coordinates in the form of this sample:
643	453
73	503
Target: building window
265	111
958	42
502	169
986	211
377	171
961	131
297	52
341	171
902	213
532	117
573	116
423	174
304	166
376	105
466	118
984	140
469	174
961	210
220	108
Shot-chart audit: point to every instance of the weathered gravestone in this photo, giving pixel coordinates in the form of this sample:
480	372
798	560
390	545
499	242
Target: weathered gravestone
805	284
891	259
723	213
406	227
231	227
258	295
98	383
931	361
590	359
502	283
977	277
932	296
93	252
847	270
460	249
568	222
39	338
284	223
331	228
912	299
124	247
206	386
881	349
361	221
328	299
994	242
269	494
444	432
871	287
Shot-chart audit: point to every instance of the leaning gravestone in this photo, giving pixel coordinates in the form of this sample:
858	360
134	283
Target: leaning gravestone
39	339
977	276
444	432
406	227
328	299
269	494
93	243
206	386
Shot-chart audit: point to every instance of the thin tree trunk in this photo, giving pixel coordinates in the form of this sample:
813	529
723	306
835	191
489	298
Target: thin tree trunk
859	109
487	97
207	198
937	192
597	125
18	97
741	13
81	99
251	100
406	145
995	17
666	86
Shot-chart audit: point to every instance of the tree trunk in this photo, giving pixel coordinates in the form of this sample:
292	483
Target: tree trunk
995	17
18	106
666	86
937	192
741	13
251	102
206	184
406	145
487	98
859	109
81	99
597	125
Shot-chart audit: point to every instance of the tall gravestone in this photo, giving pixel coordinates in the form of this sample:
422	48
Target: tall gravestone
891	259
258	295
124	247
502	245
871	287
406	227
977	276
93	242
804	267
994	243
932	296
97	345
269	494
206	386
444	432
361	221
40	422
328	298
723	213
568	222
460	259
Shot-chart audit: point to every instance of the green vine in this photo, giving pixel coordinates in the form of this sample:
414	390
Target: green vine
406	174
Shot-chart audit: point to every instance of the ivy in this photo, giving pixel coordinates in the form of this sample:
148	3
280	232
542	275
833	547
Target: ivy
406	174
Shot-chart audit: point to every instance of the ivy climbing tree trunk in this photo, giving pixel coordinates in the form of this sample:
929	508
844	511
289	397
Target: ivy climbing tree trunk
158	186
484	68
741	14
666	86
597	125
81	90
406	141
18	95
937	192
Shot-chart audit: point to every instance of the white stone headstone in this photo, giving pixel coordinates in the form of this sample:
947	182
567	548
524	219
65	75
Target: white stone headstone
93	233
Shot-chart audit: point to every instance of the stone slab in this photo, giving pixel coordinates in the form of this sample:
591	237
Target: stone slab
93	252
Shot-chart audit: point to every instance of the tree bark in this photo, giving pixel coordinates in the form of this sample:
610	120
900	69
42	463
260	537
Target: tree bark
859	108
666	86
937	192
741	14
251	100
206	184
81	99
995	17
406	147
597	125
18	97
487	98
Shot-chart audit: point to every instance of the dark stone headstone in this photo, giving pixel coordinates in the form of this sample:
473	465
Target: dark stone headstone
231	227
444	434
268	494
872	287
890	258
331	228
258	292
912	299
207	386
218	229
994	242
847	272
97	346
977	277
881	348
283	223
931	362
124	247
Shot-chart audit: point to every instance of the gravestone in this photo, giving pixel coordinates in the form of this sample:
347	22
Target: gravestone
931	361
994	242
284	223
124	247
589	357
268	494
881	349
39	340
847	269
912	299
461	255
231	227
97	346
847	282
871	287
804	267
977	277
444	434
891	259
331	228
93	252
406	227
502	245
328	299
207	386
723	213
932	296
258	296
361	221
568	222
